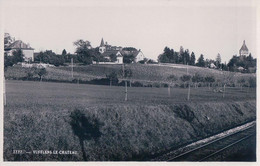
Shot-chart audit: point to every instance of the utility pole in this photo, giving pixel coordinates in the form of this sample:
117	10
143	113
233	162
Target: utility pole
187	68
189	93
72	67
189	83
223	94
124	76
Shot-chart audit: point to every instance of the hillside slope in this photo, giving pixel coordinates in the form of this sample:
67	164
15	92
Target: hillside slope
141	72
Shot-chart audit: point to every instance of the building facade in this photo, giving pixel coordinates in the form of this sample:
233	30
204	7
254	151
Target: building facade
26	49
106	50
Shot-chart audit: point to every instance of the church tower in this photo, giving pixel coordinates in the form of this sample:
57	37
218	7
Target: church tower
102	47
244	50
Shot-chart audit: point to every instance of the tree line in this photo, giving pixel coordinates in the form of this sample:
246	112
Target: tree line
248	63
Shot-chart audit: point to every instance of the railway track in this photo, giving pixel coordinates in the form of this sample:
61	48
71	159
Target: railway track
208	150
204	152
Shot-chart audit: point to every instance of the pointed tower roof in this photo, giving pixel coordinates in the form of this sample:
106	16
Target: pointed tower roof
102	42
244	47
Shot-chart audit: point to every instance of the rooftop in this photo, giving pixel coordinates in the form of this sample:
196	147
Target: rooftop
18	44
244	47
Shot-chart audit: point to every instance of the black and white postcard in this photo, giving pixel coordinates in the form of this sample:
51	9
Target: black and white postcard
141	82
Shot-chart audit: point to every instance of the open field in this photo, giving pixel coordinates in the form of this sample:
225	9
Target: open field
37	117
148	72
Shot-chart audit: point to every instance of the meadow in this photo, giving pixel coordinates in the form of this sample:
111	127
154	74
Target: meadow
38	115
141	72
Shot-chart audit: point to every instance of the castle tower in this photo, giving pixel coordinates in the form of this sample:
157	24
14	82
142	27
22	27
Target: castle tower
244	50
102	47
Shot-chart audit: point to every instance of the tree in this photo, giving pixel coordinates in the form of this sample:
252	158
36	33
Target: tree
164	57
252	82
50	57
241	82
227	79
209	80
208	63
172	79
186	57
125	74
31	72
131	49
197	79
64	52
113	57
8	39
218	60
128	58
18	56
168	56
192	59
186	79
201	61
112	77
246	62
84	52
41	72
8	61
250	61
181	56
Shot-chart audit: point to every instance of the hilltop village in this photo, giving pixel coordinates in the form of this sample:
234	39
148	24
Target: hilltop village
109	54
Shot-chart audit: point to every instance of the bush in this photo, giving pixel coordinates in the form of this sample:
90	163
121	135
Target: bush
252	82
102	81
137	84
197	78
185	78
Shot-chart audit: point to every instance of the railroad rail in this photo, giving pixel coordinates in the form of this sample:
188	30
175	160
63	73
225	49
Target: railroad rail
204	152
226	147
207	148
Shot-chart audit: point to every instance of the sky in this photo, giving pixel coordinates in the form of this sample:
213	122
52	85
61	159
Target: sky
205	27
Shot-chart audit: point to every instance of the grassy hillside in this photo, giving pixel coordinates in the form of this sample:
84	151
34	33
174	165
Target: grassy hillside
157	73
37	117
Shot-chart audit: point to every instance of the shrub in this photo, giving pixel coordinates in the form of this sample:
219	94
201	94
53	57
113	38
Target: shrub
137	84
185	78
252	82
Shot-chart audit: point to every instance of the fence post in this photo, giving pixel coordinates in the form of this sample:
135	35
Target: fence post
189	93
224	90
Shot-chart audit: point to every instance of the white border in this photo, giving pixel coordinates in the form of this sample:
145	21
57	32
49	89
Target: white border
123	2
